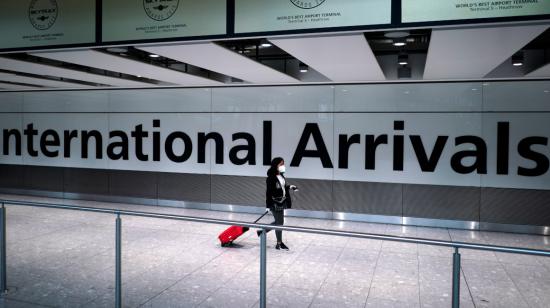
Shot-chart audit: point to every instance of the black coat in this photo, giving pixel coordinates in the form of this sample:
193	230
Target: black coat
274	190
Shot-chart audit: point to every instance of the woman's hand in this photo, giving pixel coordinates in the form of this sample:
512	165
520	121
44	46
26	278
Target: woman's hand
293	187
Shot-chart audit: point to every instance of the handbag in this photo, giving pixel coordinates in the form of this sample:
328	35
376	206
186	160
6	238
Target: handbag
279	203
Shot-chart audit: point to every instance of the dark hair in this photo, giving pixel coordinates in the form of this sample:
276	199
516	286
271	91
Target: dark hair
274	164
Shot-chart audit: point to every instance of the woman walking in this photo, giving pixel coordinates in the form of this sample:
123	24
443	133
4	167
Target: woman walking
277	197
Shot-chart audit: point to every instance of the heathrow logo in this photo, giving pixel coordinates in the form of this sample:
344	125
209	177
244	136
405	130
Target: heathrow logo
307	4
43	13
160	9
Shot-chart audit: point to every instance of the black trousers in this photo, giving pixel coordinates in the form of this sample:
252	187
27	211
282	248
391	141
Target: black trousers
279	221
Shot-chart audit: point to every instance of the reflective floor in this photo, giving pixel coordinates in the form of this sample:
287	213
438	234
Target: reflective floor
60	258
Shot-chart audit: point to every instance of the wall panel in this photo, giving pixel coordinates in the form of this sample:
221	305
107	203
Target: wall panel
254	122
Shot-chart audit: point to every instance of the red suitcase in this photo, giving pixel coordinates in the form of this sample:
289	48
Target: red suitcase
232	233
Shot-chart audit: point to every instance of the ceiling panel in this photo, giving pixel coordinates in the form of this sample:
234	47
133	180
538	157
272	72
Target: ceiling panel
474	53
9	86
40	81
219	59
49	70
543	71
101	60
339	58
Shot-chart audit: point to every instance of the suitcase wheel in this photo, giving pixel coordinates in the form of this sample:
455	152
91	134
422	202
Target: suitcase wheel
227	244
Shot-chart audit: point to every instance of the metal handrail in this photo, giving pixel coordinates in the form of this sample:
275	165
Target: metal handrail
411	240
264	227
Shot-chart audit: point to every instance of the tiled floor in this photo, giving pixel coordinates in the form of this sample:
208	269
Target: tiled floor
60	258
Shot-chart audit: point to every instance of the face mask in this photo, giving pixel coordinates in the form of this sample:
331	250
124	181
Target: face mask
281	169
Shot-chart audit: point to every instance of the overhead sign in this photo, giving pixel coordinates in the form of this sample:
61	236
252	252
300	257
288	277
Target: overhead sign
269	15
125	20
31	23
369	133
438	10
507	155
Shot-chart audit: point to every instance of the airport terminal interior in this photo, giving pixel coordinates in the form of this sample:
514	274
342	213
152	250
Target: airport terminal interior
246	153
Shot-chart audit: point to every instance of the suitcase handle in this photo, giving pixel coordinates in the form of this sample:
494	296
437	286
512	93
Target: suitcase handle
266	211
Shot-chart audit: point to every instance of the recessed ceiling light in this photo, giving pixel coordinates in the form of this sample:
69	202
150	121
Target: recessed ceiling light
138	76
154	55
266	44
397	34
403	59
120	49
517	59
303	67
399	42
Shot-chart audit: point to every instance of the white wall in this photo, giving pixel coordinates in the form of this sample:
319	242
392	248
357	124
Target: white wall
428	110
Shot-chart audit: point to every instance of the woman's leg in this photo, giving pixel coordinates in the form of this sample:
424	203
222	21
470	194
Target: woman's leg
279	221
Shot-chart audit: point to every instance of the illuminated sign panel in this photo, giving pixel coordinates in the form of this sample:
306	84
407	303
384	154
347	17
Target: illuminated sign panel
441	10
34	23
125	20
270	15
